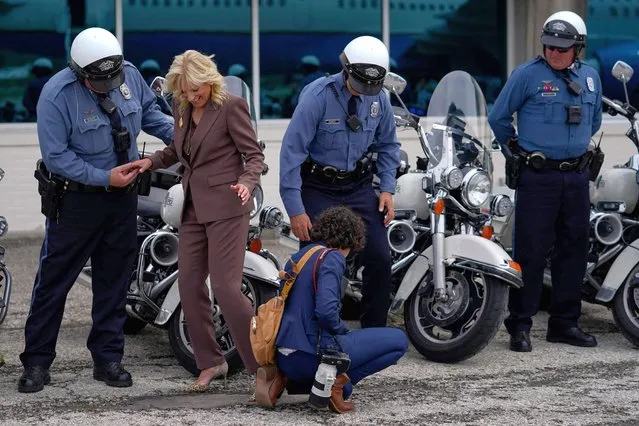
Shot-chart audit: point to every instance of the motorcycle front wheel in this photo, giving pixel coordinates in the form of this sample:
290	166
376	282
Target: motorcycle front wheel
181	342
458	328
625	310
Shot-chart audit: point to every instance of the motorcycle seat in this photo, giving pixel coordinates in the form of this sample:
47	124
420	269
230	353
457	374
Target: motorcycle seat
151	205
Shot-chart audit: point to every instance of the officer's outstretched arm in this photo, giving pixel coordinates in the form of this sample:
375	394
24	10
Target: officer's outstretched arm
53	136
510	100
387	147
154	121
295	149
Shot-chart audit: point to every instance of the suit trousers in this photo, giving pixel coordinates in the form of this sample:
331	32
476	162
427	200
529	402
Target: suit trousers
215	249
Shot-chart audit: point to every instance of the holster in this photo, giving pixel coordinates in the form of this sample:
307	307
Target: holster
514	165
51	190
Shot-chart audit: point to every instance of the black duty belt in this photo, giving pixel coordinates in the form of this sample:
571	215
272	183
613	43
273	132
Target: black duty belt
79	187
538	161
333	175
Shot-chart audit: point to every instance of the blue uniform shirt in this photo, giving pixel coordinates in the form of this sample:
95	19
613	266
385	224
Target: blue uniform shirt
318	129
75	134
540	96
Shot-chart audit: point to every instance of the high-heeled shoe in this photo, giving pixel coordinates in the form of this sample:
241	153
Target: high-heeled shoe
220	371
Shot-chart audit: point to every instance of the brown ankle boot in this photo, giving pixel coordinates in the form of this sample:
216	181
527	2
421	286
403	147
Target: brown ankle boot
269	386
337	403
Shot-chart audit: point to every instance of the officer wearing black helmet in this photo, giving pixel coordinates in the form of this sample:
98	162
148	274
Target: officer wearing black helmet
557	99
89	116
325	161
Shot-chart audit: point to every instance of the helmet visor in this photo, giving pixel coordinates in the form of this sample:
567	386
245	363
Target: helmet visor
367	79
555	40
105	74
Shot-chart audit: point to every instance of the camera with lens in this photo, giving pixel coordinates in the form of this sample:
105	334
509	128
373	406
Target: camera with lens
331	365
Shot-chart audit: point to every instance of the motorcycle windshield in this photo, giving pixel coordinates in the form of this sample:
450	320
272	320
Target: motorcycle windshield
459	104
238	87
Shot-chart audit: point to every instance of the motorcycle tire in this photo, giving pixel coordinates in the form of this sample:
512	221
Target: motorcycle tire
625	308
180	341
133	326
473	341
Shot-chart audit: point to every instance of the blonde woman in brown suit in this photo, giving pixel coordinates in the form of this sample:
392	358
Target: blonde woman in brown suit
212	132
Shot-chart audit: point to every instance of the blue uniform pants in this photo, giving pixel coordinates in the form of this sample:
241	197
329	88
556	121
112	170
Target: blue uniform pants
371	350
100	226
376	276
552	207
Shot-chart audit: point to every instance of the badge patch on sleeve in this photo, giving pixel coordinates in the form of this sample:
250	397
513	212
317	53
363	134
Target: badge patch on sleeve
591	84
374	109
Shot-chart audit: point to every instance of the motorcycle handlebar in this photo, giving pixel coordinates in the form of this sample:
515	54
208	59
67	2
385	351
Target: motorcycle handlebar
621	110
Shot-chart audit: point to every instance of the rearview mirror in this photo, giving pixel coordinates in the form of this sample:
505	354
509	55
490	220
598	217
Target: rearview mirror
394	83
157	85
622	71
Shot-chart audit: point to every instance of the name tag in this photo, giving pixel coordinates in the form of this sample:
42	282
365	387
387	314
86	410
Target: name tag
90	119
332	121
545	94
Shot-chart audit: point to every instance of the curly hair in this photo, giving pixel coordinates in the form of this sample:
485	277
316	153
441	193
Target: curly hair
339	227
195	69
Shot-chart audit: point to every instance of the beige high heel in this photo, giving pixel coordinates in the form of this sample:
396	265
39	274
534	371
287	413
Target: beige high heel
221	370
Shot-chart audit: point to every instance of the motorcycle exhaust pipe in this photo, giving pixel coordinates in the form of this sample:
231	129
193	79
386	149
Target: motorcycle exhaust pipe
163	285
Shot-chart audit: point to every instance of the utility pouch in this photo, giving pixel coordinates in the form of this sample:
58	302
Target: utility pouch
574	114
595	163
144	183
51	191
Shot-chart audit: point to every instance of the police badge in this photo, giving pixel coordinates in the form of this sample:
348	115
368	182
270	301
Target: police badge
591	84
374	109
124	89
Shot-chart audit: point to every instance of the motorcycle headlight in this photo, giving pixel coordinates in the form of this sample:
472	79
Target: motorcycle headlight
476	188
4	226
452	178
501	205
270	217
258	199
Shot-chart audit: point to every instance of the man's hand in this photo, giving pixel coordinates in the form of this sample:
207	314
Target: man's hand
300	225
386	202
143	164
242	192
123	175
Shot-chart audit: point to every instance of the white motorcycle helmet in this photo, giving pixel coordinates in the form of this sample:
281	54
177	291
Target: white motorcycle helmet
564	29
96	55
171	211
365	62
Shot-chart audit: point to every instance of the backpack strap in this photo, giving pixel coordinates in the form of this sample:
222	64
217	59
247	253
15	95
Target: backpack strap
297	267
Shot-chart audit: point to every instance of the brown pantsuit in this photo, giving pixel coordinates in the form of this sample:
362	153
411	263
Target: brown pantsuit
222	151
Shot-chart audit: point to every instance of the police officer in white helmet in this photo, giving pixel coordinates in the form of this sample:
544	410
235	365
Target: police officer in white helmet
89	116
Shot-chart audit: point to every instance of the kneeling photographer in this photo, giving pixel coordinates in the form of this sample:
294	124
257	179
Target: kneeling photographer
342	358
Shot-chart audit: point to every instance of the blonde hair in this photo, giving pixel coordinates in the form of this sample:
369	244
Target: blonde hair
195	69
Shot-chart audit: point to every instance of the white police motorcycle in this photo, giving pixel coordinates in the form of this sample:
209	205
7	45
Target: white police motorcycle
612	272
447	274
5	274
153	296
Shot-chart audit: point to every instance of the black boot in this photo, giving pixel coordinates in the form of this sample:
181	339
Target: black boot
33	379
520	342
113	374
573	336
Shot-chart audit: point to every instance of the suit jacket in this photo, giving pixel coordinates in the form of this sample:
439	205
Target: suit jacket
305	312
222	138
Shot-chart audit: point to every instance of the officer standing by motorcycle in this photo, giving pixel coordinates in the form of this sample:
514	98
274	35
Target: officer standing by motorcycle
326	161
558	103
89	115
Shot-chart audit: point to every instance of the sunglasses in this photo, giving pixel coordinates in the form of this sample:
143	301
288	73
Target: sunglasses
558	49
